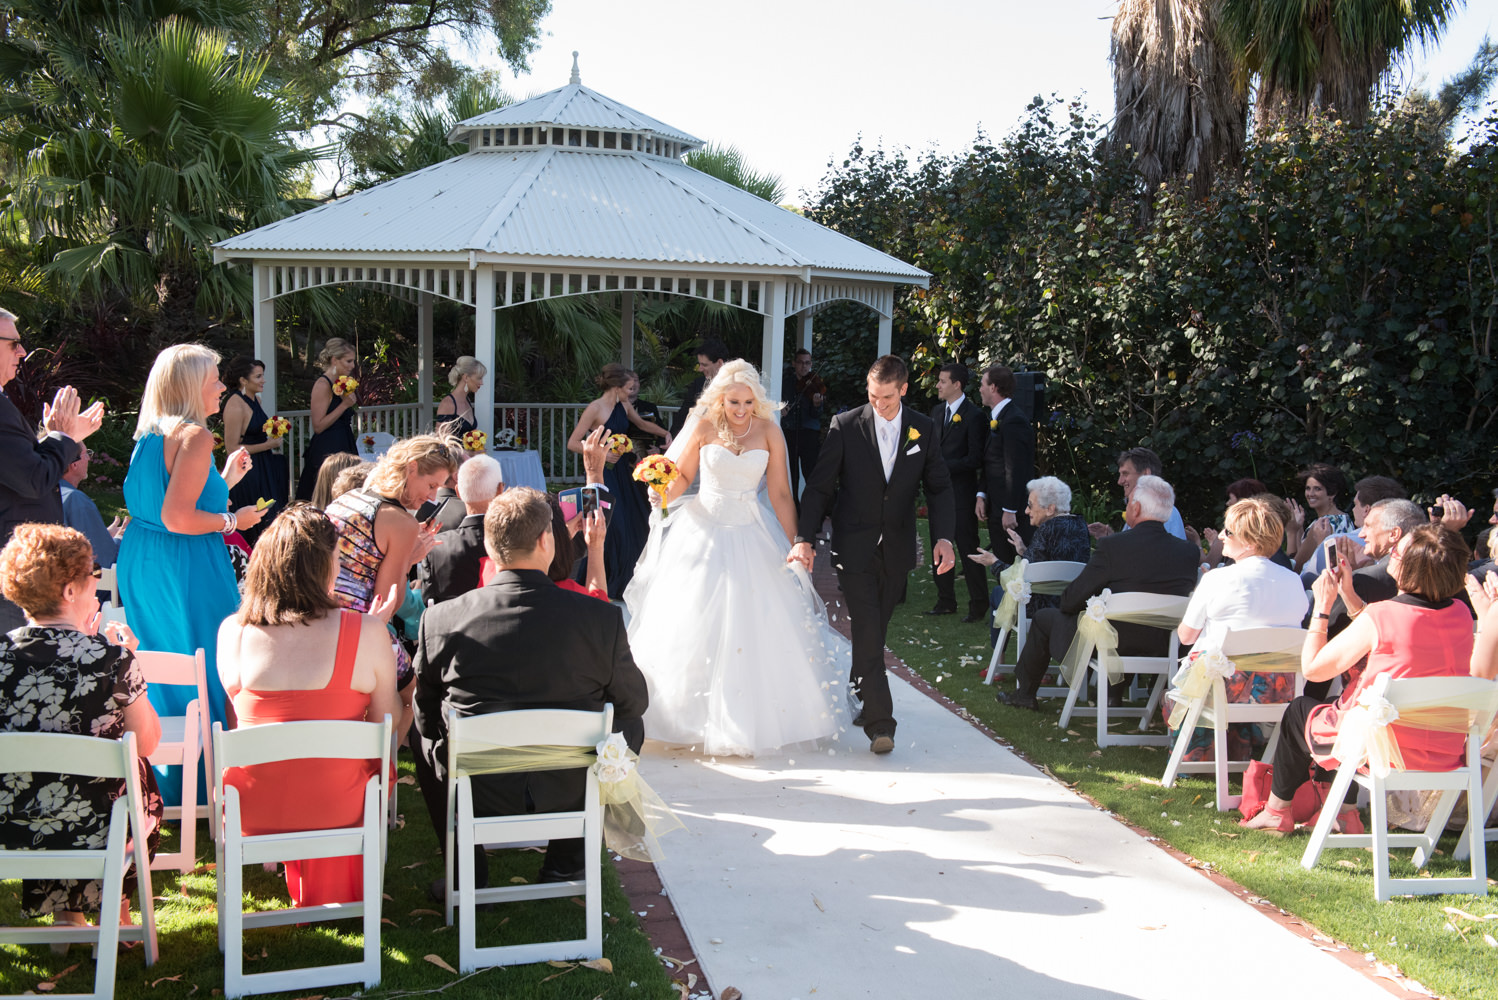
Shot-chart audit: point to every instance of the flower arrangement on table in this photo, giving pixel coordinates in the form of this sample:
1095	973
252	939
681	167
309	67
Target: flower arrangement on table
277	427
657	472
475	440
344	384
505	438
369	442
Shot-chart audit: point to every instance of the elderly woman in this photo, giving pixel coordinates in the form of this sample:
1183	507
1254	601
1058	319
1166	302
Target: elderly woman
1059	535
1253	592
1422	632
58	676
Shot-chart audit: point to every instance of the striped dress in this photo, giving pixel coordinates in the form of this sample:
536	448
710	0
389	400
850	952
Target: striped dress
359	559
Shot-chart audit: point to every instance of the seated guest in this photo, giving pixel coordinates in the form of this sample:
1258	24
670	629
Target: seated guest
1253	592
1325	488
1238	489
452	568
1365	493
1420	632
81	514
327	475
1142	558
446	509
292	655
522	642
1132	464
59	677
1371	579
594	529
351	478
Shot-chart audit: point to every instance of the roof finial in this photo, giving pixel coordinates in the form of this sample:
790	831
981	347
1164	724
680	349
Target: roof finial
575	77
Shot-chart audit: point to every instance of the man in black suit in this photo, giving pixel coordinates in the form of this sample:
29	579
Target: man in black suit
876	457
710	357
30	469
962	429
1008	465
1386	522
452	568
1144	559
518	643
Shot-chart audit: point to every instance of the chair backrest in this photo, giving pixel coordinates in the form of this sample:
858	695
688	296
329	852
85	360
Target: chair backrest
1139	602
526	728
169	668
1479	694
61	753
1265	639
278	741
1052	571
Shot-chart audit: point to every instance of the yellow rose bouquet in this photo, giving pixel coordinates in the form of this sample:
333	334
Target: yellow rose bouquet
475	440
619	443
344	384
218	441
277	427
657	472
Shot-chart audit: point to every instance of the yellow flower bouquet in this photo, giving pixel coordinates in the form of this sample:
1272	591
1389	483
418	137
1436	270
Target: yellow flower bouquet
344	384
475	440
657	472
277	427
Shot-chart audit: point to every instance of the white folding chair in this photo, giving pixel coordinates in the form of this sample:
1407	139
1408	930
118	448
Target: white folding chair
1213	709
87	756
1489	799
183	743
287	741
1480	698
112	613
109	580
1118	605
503	730
1049	577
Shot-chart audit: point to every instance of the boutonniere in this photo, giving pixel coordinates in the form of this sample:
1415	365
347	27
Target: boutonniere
993	425
956	418
912	435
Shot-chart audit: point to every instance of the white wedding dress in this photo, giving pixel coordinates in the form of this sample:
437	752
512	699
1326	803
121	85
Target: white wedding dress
734	643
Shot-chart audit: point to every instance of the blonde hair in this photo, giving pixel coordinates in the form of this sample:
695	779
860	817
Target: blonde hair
174	389
334	347
428	451
738	372
464	366
1259	521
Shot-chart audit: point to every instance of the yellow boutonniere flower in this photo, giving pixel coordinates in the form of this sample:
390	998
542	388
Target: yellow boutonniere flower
993	425
913	435
956	418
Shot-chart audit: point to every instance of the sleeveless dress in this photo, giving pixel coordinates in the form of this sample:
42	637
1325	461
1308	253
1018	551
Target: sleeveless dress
359	559
629	524
268	476
338	437
303	794
176	588
456	424
734	643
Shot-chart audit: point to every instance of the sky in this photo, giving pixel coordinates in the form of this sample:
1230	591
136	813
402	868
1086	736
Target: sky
794	83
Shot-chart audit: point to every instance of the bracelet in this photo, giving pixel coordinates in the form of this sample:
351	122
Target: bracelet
231	523
1353	614
1315	631
1323	616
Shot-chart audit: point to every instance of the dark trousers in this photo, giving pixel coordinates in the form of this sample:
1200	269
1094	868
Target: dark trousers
1293	763
870	598
802	448
965	543
998	538
1050	635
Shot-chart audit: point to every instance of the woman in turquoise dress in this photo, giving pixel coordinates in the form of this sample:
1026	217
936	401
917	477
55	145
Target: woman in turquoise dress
174	571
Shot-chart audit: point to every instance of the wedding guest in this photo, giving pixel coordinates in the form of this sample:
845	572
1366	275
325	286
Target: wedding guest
647	411
1059	535
1324	485
801	419
1238	489
711	354
1421	632
1008	463
244	424
174	571
446	509
332	414
563	563
327	476
1132	464
1365	493
292	655
30	468
60	677
452	568
81	513
962	429
352	478
455	414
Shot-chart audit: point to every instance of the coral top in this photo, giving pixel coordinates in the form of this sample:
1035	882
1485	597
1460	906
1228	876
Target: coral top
310	794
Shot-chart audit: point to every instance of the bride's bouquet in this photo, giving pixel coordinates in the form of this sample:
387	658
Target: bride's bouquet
658	472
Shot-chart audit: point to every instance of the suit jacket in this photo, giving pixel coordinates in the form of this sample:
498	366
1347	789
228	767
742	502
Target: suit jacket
452	568
962	443
522	642
688	400
29	471
448	508
1008	461
1146	558
870	514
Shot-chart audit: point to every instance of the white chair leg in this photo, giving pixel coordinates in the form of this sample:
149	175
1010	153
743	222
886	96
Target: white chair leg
374	866
997	659
1323	827
1220	751
1378	827
1183	740
1465	844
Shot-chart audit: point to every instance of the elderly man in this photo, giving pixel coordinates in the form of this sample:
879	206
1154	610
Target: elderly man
522	642
82	514
1132	464
1386	522
1143	558
452	568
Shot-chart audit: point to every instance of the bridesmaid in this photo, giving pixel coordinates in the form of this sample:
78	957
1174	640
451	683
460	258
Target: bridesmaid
244	424
333	431
455	416
629	525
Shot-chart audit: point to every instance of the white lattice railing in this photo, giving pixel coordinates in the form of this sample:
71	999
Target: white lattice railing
544	427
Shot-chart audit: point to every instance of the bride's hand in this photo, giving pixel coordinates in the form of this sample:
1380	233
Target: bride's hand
803	553
654	496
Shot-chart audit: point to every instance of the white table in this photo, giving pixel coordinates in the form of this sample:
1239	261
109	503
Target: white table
522	468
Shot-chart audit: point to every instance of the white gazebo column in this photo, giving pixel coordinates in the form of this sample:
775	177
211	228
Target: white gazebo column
773	354
803	335
483	345
627	329
885	330
265	334
424	367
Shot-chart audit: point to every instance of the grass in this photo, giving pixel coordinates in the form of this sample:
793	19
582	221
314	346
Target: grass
190	962
1447	953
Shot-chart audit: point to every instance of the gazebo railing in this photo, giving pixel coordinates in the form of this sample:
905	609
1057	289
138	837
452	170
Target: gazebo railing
544	427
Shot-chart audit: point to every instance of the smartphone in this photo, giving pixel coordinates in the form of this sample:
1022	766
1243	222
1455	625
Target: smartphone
588	499
1331	553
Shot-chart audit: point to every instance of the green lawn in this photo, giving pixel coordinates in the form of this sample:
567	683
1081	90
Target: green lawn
190	961
1445	952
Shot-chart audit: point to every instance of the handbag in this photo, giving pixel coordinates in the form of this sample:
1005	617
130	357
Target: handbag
1257	781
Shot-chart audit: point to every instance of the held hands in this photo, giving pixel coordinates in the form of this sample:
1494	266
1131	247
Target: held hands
803	553
384	608
1098	529
236	465
945	557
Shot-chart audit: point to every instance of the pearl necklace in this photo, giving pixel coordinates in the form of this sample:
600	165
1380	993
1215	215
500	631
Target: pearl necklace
738	439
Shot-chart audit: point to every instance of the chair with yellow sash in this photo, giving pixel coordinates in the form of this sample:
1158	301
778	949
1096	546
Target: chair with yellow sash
1200	697
1435	704
1019	582
1094	654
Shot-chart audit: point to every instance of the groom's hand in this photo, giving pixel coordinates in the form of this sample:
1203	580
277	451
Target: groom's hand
803	553
945	557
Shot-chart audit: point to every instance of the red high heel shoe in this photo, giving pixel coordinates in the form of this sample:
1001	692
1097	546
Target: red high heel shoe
1349	820
1283	818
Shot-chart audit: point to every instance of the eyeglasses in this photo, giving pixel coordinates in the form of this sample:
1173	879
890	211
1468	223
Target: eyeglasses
13	340
98	572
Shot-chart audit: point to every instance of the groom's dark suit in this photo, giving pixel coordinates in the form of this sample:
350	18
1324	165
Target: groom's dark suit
873	533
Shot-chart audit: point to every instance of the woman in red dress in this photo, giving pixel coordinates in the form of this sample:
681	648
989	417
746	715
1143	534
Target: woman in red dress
292	654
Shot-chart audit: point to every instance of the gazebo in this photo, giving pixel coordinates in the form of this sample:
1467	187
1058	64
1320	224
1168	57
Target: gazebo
568	193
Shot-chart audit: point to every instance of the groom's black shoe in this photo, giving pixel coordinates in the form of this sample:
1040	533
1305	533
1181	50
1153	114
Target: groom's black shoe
882	744
975	615
942	609
1015	699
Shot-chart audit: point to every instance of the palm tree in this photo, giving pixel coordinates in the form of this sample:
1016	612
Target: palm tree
729	165
1177	109
1324	55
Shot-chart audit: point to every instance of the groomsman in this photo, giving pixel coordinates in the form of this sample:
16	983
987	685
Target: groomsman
711	354
1008	464
962	429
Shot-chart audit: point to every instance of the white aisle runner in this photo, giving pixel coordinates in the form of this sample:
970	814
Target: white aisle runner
943	869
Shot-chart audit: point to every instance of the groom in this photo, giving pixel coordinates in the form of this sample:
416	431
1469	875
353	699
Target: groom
876	458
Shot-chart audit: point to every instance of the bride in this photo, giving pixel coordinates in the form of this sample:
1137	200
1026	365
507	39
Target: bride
734	643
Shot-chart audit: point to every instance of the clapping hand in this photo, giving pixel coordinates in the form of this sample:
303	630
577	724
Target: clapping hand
1297	518
119	633
117	527
983	558
1483	595
1015	541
